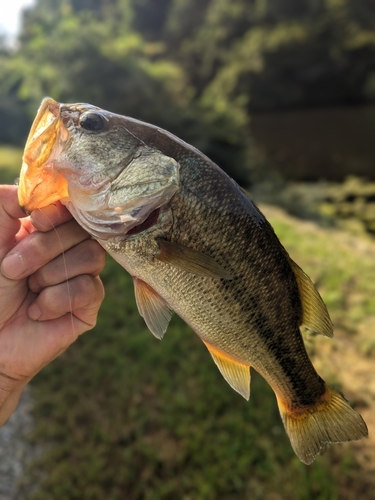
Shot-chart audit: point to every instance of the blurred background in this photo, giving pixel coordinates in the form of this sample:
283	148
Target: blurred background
281	94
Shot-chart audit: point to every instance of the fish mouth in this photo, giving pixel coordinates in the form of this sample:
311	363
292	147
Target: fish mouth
149	222
39	184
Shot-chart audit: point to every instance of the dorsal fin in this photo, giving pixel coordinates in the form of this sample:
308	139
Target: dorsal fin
236	374
315	316
152	307
190	260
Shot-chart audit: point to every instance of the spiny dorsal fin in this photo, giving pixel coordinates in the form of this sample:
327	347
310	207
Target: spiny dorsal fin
152	307
315	316
190	260
236	374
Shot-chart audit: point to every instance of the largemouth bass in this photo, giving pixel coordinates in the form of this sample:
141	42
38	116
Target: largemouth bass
195	244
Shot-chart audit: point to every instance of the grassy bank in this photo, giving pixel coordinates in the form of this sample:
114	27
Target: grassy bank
127	417
122	415
10	163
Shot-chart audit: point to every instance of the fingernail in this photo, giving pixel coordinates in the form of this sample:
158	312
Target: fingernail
34	312
13	265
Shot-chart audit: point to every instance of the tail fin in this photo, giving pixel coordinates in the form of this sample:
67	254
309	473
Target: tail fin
331	420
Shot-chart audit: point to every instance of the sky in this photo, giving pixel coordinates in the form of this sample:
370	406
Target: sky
10	15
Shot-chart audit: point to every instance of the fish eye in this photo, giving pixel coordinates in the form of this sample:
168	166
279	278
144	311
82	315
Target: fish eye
94	122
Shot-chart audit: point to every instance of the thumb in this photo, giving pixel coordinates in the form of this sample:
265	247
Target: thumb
10	213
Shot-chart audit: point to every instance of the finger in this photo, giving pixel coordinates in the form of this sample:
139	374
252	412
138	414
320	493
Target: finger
10	212
50	217
9	202
38	248
81	297
58	321
86	258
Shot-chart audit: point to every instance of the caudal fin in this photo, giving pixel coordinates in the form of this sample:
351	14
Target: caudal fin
331	420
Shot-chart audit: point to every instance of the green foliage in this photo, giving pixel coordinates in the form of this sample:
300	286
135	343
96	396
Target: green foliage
10	164
274	53
349	205
288	53
197	68
89	51
351	202
347	283
122	415
129	417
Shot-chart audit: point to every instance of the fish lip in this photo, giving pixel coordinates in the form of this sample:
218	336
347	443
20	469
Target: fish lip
46	135
49	107
52	130
25	210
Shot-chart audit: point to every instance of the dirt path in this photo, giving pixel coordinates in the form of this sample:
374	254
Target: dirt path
15	451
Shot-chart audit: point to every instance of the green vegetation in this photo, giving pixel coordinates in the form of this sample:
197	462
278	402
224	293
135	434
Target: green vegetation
198	68
347	282
349	205
352	201
121	415
10	163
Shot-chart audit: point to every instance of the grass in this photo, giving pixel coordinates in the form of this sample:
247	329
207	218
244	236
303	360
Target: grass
122	415
128	417
341	265
10	163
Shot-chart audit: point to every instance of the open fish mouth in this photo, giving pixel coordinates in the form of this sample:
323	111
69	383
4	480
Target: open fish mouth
39	184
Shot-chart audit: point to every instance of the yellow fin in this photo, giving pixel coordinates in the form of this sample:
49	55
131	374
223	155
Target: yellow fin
190	260
315	316
331	420
152	307
236	374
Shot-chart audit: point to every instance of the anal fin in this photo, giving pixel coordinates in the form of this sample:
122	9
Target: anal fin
236	374
152	307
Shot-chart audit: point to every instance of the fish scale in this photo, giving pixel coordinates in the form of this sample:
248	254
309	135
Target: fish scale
195	244
236	334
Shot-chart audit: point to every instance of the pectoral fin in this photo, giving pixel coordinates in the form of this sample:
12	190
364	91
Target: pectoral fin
236	374
152	307
190	260
315	316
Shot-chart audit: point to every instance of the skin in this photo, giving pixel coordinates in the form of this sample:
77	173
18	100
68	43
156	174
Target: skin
50	290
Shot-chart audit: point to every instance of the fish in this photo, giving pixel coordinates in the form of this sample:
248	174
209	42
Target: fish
194	244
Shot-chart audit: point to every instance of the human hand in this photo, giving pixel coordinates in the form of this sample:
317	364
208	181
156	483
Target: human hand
50	291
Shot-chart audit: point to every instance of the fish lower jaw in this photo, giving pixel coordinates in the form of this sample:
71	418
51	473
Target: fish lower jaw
98	224
108	225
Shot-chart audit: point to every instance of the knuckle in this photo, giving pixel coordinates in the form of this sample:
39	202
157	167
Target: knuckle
88	290
86	285
39	245
38	280
74	230
48	218
94	254
54	299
